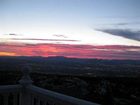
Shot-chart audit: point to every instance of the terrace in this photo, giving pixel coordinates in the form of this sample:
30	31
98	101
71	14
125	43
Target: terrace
25	93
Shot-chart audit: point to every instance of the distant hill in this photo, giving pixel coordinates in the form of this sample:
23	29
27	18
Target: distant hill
64	65
20	59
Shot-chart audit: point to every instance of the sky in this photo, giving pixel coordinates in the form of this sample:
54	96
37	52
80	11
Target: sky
102	29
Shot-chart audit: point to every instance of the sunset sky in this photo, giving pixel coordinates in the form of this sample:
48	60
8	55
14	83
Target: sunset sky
103	29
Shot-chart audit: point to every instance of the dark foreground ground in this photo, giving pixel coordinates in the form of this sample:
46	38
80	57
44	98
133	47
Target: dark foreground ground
108	82
103	90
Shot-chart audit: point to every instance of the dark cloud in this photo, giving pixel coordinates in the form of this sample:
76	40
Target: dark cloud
126	33
63	36
124	23
13	34
44	39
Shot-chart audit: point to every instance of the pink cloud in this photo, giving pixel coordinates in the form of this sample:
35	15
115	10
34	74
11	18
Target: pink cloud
76	51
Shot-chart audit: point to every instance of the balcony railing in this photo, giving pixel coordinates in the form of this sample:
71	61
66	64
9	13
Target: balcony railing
9	95
27	94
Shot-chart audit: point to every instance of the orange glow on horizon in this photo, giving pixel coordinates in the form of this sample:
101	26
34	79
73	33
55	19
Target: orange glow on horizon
7	54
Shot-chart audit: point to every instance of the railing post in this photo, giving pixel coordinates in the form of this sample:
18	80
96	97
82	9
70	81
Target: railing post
25	97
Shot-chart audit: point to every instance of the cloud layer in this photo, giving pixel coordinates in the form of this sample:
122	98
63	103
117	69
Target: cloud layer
76	51
126	33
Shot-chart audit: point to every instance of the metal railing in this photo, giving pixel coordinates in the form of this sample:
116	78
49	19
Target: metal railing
27	94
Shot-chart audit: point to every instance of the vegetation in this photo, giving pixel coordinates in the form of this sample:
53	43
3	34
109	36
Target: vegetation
99	82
